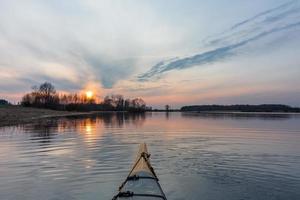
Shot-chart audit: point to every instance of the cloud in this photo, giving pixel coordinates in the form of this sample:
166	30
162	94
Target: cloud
282	15
95	40
111	72
227	44
262	14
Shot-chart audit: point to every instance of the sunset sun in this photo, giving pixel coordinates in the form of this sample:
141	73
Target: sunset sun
89	94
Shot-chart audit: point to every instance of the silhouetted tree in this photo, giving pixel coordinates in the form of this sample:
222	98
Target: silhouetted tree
115	102
119	101
126	104
45	96
167	108
137	104
3	102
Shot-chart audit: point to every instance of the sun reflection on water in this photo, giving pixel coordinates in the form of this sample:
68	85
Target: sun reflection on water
88	128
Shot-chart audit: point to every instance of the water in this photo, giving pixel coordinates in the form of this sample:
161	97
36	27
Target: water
225	156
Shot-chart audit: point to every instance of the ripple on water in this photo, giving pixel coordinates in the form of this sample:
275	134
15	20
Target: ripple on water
87	158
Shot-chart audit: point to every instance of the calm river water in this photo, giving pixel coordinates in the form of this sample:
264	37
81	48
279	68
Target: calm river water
196	156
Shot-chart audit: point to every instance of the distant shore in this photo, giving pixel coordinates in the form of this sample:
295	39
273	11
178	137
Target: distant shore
240	112
242	108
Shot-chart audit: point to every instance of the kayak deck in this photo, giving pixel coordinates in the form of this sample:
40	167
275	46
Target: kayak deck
142	182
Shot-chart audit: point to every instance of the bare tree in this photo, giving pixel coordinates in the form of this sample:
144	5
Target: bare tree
167	108
47	92
138	103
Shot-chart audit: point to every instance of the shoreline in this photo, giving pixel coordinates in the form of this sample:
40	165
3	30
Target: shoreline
16	115
12	115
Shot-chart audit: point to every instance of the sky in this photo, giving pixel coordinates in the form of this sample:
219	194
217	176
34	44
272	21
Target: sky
176	52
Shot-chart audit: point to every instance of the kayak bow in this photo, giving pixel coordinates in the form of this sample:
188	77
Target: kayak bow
142	182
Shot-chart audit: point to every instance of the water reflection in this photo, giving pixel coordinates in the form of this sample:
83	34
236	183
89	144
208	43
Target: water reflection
42	131
240	156
93	125
46	127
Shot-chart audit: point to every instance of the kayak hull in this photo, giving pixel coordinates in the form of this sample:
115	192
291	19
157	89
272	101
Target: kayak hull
141	182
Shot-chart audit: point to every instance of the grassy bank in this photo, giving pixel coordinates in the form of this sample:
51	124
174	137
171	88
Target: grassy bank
13	115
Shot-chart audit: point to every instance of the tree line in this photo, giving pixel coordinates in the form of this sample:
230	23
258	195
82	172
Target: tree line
242	108
4	102
45	96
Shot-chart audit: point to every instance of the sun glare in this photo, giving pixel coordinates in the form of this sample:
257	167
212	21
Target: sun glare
89	94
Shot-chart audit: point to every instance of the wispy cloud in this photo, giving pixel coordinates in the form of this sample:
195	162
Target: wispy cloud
228	43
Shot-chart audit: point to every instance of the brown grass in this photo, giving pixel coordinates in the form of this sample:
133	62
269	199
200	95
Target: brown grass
13	115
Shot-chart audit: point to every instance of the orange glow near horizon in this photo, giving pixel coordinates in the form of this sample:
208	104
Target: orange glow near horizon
92	91
89	94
